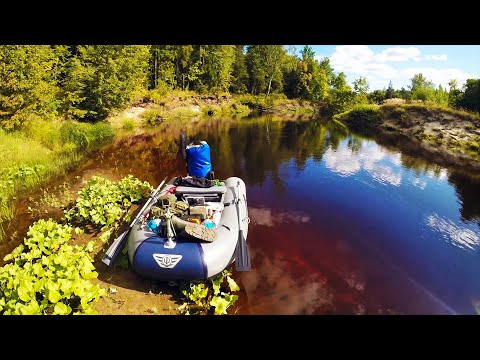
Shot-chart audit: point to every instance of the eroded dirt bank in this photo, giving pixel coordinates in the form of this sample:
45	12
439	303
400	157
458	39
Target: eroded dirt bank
447	137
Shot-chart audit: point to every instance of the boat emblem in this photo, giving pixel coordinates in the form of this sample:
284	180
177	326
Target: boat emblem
167	261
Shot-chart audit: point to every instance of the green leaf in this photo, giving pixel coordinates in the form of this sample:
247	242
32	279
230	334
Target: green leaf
39	284
230	298
220	305
24	293
54	296
32	308
61	309
90	311
199	292
90	246
25	290
232	284
217	282
66	286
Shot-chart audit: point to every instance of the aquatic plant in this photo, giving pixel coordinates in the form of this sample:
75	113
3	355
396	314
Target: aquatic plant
46	275
104	202
212	297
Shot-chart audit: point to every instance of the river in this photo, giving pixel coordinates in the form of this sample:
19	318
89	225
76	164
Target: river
338	223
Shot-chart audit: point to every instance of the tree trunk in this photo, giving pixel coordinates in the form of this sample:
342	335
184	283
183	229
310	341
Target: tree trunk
155	78
270	84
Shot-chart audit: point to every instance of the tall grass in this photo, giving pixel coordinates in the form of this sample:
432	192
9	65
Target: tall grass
44	132
128	124
33	157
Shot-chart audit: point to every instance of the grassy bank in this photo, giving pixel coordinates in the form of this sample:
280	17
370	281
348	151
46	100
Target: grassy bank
161	107
43	150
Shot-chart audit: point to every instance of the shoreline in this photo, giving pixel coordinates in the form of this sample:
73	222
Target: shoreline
446	137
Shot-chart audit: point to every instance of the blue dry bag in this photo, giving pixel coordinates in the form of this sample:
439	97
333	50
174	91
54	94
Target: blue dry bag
198	159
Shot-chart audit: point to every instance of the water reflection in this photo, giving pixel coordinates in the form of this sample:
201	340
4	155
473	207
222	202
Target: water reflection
468	191
346	161
421	184
455	234
267	217
276	290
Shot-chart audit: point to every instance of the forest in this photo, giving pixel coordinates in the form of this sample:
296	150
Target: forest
87	82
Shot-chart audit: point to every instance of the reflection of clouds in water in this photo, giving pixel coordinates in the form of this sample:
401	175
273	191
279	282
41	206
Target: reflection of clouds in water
441	175
419	183
344	162
395	158
266	217
385	175
460	237
273	290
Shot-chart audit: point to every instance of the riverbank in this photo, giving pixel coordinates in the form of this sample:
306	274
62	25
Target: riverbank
448	137
155	108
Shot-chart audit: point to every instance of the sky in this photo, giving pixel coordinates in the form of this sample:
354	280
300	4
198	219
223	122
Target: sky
381	64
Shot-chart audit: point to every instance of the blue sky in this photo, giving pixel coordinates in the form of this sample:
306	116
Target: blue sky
398	63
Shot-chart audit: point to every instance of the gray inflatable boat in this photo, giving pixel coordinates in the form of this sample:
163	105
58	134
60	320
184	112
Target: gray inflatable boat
163	254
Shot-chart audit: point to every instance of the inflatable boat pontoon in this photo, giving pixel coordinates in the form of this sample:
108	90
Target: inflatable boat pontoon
162	254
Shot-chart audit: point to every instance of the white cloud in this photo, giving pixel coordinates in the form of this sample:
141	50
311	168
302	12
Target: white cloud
439	76
398	54
362	61
431	57
320	57
357	55
342	161
382	67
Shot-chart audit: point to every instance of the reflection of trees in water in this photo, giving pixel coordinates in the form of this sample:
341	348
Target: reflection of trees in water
468	191
256	149
354	144
420	166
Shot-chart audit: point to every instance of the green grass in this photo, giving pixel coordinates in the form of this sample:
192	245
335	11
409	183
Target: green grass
26	162
363	118
362	112
44	132
428	108
87	137
153	116
182	113
128	124
16	148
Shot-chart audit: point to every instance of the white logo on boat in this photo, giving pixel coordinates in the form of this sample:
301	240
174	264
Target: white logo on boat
167	261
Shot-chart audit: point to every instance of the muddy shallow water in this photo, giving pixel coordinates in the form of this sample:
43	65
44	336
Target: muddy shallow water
339	223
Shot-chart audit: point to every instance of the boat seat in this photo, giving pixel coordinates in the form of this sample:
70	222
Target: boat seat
190	190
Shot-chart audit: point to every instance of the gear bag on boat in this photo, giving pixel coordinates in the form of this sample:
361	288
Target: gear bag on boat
198	159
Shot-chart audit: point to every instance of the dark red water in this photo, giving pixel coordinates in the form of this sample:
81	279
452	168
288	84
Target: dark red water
339	224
